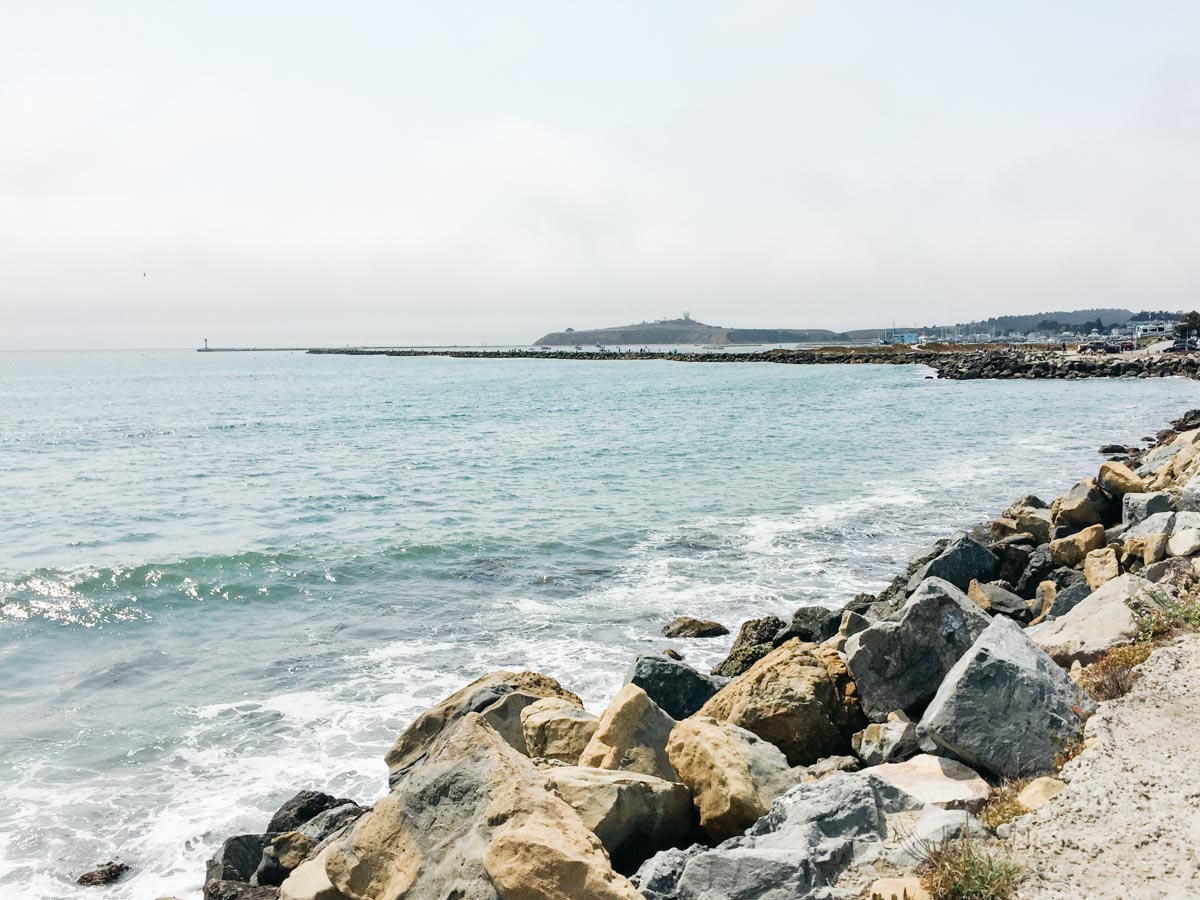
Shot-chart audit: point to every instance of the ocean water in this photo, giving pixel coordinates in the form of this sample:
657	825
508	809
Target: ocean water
224	577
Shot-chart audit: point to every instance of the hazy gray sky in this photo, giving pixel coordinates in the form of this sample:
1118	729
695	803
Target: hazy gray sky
347	172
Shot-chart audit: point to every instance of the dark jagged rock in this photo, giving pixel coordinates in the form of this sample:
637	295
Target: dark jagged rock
811	624
687	627
103	874
677	688
238	858
1013	556
741	659
299	809
238	890
1041	564
1114	448
758	631
964	560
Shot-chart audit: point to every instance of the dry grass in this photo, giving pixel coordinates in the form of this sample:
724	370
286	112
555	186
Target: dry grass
959	869
1112	675
1002	806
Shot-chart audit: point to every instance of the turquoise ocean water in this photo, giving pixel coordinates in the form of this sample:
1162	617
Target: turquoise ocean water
227	576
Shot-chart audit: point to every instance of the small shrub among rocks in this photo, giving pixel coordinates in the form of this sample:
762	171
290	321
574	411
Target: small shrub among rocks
959	869
1112	675
1002	807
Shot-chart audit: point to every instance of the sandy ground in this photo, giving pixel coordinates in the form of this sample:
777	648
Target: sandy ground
1128	824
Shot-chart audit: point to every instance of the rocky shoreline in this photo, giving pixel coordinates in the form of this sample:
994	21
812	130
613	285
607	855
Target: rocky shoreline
952	363
832	756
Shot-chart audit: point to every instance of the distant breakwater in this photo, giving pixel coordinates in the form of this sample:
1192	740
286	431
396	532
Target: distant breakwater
958	365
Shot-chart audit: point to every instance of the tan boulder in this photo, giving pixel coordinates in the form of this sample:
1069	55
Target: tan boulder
499	696
1034	522
474	819
1070	551
634	815
733	775
1039	792
1100	567
631	735
557	729
1083	505
800	697
308	881
1003	527
1154	548
937	780
1117	478
906	887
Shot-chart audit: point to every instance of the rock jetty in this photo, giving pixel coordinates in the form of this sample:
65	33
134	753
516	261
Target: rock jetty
948	362
827	752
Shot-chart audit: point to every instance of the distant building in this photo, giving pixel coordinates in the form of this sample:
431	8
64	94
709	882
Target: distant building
1153	328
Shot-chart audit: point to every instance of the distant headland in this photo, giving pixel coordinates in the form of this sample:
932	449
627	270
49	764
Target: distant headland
687	330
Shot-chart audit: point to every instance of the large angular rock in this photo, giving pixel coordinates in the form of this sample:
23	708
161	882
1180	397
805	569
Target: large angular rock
1085	504
797	850
631	735
1118	479
288	850
1035	522
675	686
1103	620
1006	706
634	815
1136	508
898	664
475	820
799	697
963	559
1067	598
896	592
557	729
936	781
1184	542
732	774
1157	523
492	696
1070	551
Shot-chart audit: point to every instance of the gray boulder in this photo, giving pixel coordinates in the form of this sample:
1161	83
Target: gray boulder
898	664
677	688
1006	706
810	836
1068	598
1136	508
1155	523
1189	497
963	560
1013	556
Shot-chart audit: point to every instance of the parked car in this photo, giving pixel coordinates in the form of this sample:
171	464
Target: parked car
1126	346
1182	346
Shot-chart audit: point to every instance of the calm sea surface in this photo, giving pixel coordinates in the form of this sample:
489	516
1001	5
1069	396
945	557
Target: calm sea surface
227	576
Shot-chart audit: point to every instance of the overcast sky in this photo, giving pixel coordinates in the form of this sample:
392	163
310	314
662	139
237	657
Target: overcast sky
330	173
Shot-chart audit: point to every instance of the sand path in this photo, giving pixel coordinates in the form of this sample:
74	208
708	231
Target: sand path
1128	825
